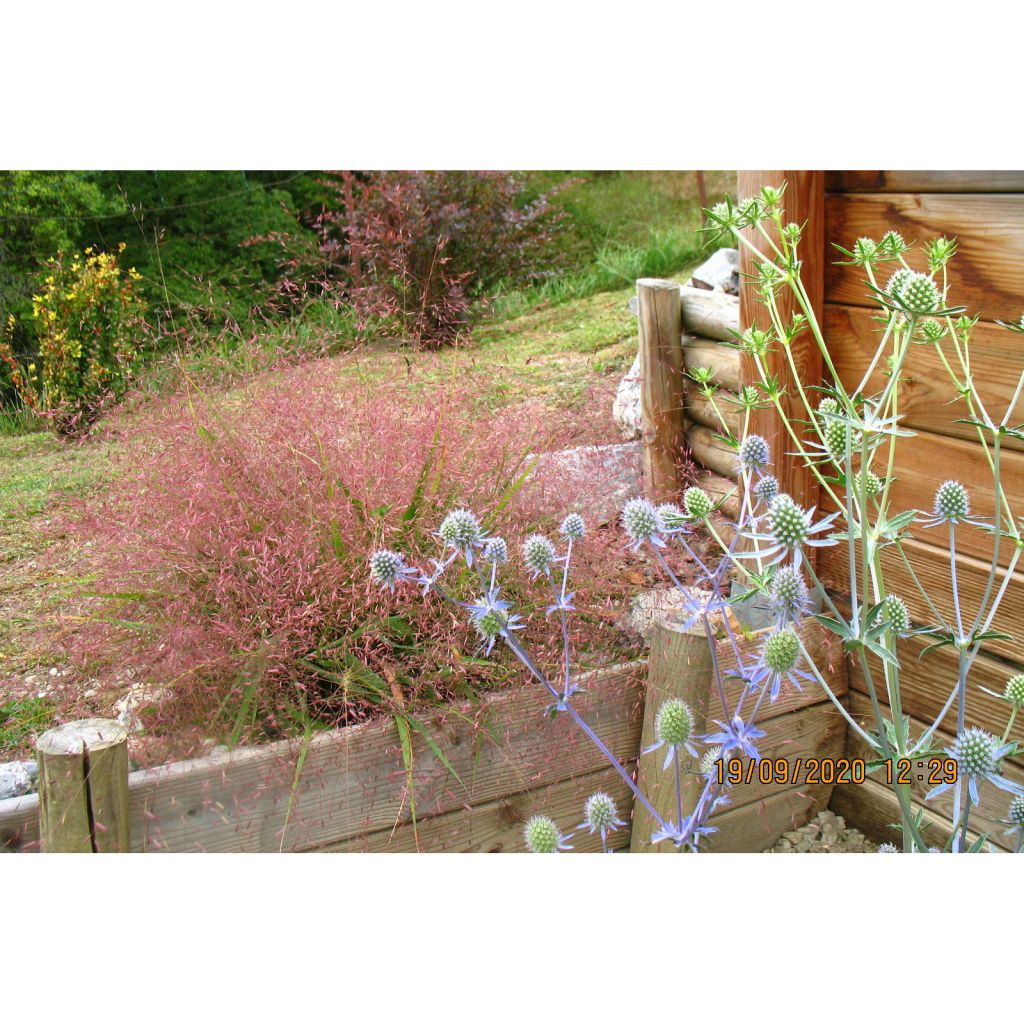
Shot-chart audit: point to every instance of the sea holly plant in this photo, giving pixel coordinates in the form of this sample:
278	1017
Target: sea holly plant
847	439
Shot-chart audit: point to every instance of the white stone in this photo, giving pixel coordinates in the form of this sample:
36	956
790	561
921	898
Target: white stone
626	407
139	696
720	272
18	778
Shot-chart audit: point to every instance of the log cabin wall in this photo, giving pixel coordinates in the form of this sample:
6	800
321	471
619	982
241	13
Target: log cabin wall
984	211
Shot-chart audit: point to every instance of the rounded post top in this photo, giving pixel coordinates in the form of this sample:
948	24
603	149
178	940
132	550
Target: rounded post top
77	737
657	282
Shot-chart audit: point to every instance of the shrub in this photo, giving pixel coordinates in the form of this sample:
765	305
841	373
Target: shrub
229	555
89	320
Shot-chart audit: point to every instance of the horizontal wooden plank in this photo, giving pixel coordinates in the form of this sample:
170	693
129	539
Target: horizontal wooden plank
759	826
926	683
923	462
353	780
709	451
497	826
874	809
994	801
712	412
924	181
987	274
931	564
928	400
700	354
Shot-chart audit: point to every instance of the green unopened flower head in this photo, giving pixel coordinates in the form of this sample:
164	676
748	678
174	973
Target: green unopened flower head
828	406
792	233
894	613
460	529
496	550
538	553
864	251
872	484
933	330
767	488
788	521
600	811
386	567
781	651
573	526
892	244
920	294
542	835
975	751
640	520
952	502
698	502
674	722
1016	814
896	282
1014	691
839	438
750	210
754	452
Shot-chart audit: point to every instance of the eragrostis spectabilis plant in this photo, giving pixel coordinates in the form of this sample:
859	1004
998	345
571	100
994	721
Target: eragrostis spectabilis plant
848	440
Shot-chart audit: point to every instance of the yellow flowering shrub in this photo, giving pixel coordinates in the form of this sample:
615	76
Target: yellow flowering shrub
90	322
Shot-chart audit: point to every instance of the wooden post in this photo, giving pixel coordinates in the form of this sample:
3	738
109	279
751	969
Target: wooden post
680	667
83	787
804	203
661	386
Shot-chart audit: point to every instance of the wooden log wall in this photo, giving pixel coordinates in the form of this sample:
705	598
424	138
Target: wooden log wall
984	211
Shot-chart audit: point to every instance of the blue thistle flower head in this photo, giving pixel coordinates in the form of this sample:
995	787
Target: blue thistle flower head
766	489
388	568
573	527
790	598
495	551
952	502
641	521
887	848
978	755
461	530
538	554
1014	691
754	453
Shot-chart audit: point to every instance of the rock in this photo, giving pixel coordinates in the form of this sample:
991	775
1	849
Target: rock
17	778
626	407
599	479
130	708
720	272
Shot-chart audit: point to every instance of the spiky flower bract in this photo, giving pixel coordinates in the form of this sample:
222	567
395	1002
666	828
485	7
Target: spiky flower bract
538	553
1014	691
894	613
755	452
573	527
495	550
674	722
977	754
781	651
490	625
709	761
542	835
892	244
920	294
887	848
698	502
641	521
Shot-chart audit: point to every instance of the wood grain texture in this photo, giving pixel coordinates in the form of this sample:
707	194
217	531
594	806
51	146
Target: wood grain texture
720	487
699	353
926	683
713	315
924	461
83	787
931	564
710	412
804	202
709	451
759	826
924	181
661	387
927	397
987	273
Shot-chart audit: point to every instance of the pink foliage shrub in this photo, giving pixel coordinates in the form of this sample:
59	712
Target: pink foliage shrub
230	555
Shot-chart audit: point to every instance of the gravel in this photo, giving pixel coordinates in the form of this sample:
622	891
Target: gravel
826	833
